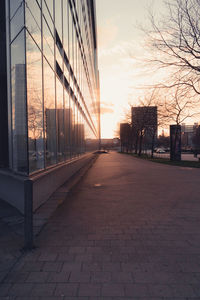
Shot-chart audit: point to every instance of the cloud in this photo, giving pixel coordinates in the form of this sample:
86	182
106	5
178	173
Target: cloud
107	33
106	107
107	110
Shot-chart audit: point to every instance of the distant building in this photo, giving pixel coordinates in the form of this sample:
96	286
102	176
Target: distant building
144	122
187	134
144	116
125	137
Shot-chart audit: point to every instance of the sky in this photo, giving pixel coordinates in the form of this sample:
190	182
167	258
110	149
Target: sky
120	55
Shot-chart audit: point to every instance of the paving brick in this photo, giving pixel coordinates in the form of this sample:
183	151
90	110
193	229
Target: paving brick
144	242
66	289
65	257
21	289
84	257
37	277
100	277
43	289
113	290
112	266
24	298
52	298
89	290
52	266
71	266
58	277
93	266
80	277
122	277
16	277
161	290
76	298
32	266
75	250
94	250
4	288
47	257
137	290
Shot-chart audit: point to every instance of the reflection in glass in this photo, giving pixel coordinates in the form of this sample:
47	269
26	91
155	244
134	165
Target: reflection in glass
33	20
65	26
35	105
72	127
58	17
67	124
14	5
70	49
19	121
48	17
60	121
48	44
17	22
50	6
50	114
59	58
58	128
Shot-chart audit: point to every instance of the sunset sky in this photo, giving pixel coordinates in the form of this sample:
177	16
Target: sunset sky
121	53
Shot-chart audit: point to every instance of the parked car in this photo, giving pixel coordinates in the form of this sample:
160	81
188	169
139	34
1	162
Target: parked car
160	150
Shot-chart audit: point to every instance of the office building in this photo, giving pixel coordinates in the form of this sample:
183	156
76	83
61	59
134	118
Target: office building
50	101
187	134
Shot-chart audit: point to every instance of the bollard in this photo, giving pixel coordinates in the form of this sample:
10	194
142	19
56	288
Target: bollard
28	215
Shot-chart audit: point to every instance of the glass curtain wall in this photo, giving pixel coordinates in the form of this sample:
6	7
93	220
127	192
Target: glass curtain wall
54	88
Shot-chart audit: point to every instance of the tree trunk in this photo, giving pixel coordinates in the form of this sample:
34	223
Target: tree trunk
152	144
140	145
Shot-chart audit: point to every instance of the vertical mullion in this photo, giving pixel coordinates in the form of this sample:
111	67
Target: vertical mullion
26	98
43	108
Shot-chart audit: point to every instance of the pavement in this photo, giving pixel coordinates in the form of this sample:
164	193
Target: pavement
11	237
129	230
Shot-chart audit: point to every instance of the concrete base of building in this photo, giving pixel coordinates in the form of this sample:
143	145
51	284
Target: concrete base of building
44	184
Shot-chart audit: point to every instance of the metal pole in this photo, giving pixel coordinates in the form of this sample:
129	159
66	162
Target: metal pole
28	215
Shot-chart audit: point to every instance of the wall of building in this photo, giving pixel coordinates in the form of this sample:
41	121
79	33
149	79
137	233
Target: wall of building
53	95
12	186
54	82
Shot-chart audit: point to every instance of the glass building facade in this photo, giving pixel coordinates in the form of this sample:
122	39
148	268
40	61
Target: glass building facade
54	82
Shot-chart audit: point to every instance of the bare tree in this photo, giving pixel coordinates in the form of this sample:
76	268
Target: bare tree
146	127
178	107
176	42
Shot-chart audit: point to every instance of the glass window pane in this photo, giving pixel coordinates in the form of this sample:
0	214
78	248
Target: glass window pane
33	20
60	121
65	26
48	18
50	6
17	22
35	106
70	49
48	44
19	120
49	114
59	58
67	124
14	5
58	17
72	142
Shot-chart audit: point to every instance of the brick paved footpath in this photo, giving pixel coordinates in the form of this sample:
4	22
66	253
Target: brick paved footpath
130	230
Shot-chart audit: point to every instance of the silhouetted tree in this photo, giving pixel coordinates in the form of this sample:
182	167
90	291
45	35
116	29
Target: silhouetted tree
176	43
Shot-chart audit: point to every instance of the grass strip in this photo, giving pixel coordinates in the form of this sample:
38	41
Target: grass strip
166	161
